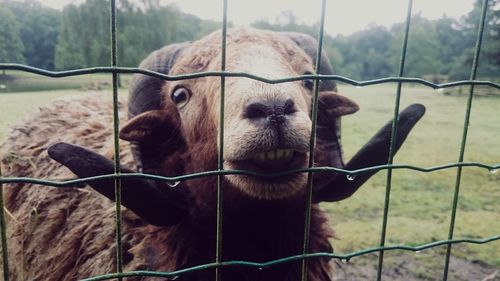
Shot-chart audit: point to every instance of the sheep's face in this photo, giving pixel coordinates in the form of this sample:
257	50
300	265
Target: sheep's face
267	127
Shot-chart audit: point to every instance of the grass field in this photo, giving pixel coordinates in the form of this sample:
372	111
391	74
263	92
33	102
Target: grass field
17	81
420	205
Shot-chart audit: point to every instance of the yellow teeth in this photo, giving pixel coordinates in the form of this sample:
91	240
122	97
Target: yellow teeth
277	154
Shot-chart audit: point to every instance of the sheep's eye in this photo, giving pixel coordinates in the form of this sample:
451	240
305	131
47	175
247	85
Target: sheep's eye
308	83
180	96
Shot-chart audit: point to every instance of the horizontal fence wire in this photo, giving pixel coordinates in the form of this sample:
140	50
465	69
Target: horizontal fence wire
118	176
339	78
264	265
174	180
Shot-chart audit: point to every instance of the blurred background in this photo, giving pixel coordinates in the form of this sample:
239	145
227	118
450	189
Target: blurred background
363	39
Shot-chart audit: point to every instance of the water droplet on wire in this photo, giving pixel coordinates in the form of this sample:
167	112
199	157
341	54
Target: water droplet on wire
351	177
493	171
173	183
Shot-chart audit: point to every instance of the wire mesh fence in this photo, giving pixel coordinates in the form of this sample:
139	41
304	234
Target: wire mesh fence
218	263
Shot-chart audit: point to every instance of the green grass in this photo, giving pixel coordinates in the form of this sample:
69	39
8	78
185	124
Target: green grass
420	205
14	106
16	81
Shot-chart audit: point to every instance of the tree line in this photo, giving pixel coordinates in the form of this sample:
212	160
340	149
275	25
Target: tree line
78	36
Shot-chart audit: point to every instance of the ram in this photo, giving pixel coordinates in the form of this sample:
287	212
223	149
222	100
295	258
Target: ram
172	129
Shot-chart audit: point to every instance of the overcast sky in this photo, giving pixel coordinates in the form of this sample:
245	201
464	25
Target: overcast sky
342	16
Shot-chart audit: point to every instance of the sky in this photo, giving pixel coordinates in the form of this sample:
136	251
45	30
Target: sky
342	16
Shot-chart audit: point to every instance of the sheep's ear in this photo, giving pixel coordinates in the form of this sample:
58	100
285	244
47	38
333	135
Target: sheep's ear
374	152
145	94
156	141
146	124
332	105
157	205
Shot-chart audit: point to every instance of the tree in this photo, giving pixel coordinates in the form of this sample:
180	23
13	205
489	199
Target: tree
68	51
79	36
84	39
142	30
11	46
422	55
39	28
452	43
143	27
489	60
364	53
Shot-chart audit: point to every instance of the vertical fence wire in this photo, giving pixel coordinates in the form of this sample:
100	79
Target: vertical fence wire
312	143
116	125
392	147
220	164
3	234
463	143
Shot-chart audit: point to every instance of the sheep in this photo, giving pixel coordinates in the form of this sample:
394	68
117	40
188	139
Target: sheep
68	233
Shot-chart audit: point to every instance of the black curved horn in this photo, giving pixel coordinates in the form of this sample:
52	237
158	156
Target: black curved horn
157	205
310	47
145	95
145	91
374	152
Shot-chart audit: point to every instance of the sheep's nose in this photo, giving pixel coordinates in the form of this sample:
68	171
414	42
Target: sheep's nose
274	111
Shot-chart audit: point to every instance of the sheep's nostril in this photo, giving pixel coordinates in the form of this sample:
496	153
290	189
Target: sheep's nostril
289	107
274	111
256	110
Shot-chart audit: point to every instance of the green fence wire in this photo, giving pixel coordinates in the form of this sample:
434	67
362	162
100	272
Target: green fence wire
3	231
220	172
220	156
312	144
116	145
475	63
392	148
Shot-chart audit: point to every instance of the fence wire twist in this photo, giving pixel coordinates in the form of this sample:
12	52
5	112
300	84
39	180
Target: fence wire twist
305	256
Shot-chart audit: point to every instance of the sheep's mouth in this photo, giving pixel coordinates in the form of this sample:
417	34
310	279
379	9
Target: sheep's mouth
273	161
266	163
